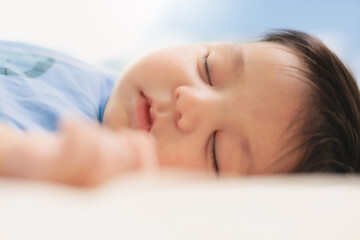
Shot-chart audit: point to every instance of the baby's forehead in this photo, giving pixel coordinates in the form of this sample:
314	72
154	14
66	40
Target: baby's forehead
270	52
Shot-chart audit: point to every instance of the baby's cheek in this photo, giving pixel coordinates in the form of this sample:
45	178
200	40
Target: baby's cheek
181	160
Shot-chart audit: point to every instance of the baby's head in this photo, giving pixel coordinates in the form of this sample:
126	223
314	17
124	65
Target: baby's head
283	104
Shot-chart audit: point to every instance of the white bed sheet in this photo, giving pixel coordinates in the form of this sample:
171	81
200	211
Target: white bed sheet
168	207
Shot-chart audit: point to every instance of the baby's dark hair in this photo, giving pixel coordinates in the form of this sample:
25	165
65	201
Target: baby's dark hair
330	132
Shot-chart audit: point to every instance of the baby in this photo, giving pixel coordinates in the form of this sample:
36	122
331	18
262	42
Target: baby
284	104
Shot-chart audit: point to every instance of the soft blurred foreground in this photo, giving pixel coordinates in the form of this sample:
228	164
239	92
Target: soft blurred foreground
176	206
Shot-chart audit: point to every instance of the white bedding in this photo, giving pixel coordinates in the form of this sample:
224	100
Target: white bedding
168	207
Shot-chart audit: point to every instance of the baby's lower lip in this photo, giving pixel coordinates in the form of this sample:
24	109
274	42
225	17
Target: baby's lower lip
142	115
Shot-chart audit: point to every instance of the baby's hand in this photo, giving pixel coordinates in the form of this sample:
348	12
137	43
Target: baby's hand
82	154
91	154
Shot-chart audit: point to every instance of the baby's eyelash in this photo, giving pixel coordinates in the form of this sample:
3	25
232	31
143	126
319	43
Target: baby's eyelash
213	154
207	69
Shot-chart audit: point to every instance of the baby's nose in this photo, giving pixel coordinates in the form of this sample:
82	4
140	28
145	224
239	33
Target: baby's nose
190	107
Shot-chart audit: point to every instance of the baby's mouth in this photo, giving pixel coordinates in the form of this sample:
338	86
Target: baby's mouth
142	113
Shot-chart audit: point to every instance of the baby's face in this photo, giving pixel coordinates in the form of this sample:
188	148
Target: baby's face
230	100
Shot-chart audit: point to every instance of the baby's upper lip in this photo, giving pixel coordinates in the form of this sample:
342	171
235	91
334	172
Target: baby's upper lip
148	99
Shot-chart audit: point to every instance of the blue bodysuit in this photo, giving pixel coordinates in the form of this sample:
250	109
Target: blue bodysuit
38	86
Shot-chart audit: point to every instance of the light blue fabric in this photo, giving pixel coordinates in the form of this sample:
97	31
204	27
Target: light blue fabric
38	86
